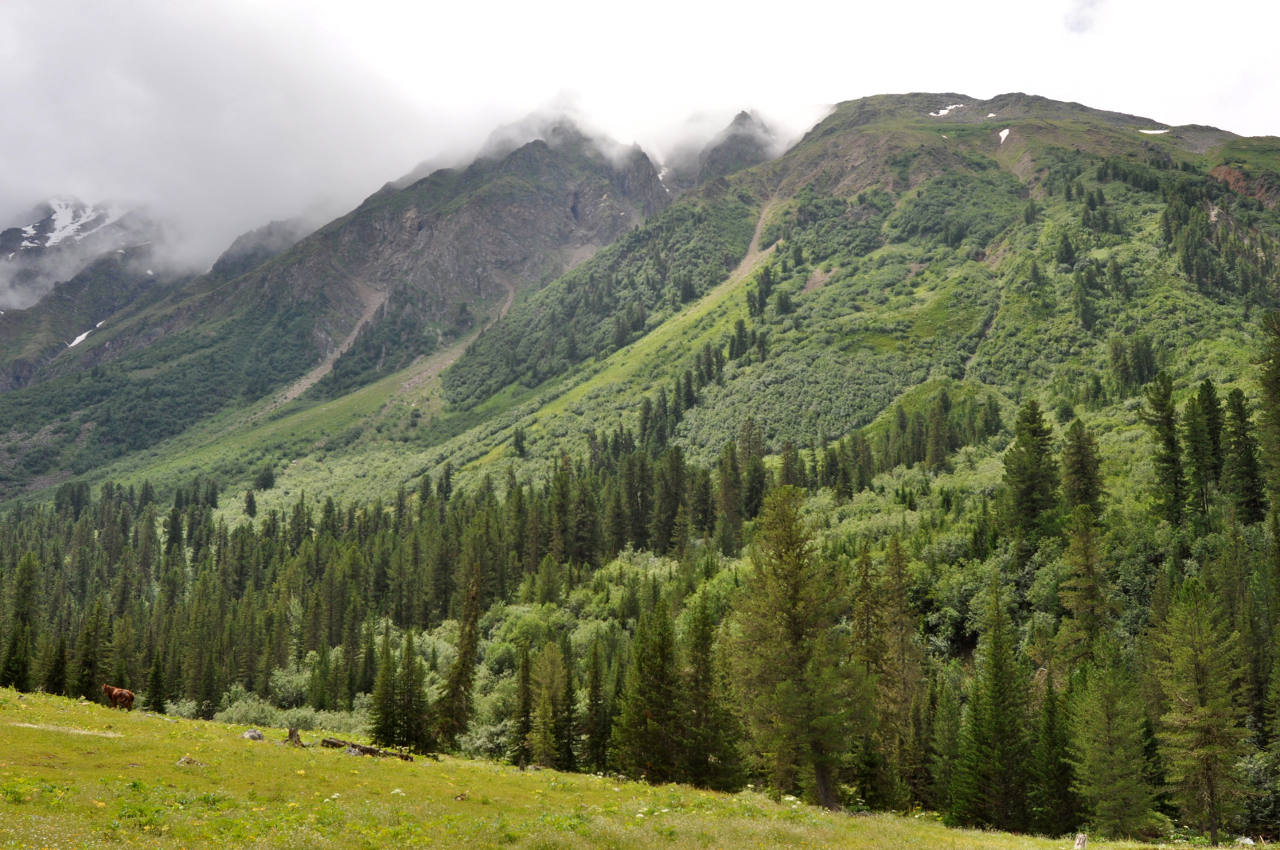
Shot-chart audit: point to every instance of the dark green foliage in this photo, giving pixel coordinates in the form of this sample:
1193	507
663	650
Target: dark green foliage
991	778
711	734
1107	752
1081	473
1031	477
1051	797
800	696
646	735
959	208
1202	731
1160	414
1242	470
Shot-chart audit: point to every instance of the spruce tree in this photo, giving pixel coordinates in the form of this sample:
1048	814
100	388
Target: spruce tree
1269	407
1031	477
519	751
411	701
1202	733
1241	468
801	697
1107	753
712	735
1081	478
646	735
990	787
900	687
1160	414
155	685
598	720
1051	798
384	715
55	672
566	717
1084	592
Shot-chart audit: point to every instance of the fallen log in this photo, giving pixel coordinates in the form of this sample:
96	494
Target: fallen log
362	749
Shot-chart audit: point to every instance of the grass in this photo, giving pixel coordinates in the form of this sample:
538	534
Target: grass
75	774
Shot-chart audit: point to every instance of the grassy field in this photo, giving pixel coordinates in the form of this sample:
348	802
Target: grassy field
75	774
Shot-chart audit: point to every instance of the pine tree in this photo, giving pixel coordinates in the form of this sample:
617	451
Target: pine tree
155	685
598	720
55	672
800	695
1241	469
990	785
566	719
712	735
1081	479
1163	418
520	753
867	616
1051	798
411	701
900	687
1199	457
1031	476
384	719
1202	732
1211	410
646	735
1107	753
1084	592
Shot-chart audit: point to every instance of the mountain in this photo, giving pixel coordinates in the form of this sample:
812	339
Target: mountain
410	271
928	465
893	239
745	142
63	237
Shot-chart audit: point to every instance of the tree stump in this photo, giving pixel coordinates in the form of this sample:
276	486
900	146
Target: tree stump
1081	840
293	738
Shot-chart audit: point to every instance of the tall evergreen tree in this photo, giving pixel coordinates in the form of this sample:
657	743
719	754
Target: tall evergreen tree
1051	798
520	753
1031	476
646	735
800	695
1160	414
990	784
1084	592
1202	733
1081	475
1107	753
411	701
1241	468
712	735
598	720
384	710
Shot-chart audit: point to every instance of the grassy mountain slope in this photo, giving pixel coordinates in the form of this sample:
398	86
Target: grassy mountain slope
412	270
899	247
81	774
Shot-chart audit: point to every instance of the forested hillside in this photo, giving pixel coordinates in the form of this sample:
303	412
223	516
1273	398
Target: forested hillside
932	464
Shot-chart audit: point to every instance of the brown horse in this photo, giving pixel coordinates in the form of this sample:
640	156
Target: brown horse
119	697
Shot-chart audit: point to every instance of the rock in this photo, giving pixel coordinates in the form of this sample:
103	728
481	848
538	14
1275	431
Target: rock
253	735
188	761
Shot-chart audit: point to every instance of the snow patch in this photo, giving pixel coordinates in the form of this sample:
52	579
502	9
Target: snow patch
100	324
29	230
944	110
11	253
1004	134
150	273
79	339
991	115
1153	132
110	216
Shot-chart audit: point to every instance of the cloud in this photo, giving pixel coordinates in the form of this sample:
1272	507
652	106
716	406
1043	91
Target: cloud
1080	18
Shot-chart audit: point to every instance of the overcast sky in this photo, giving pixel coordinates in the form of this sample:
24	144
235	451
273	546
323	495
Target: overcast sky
224	114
